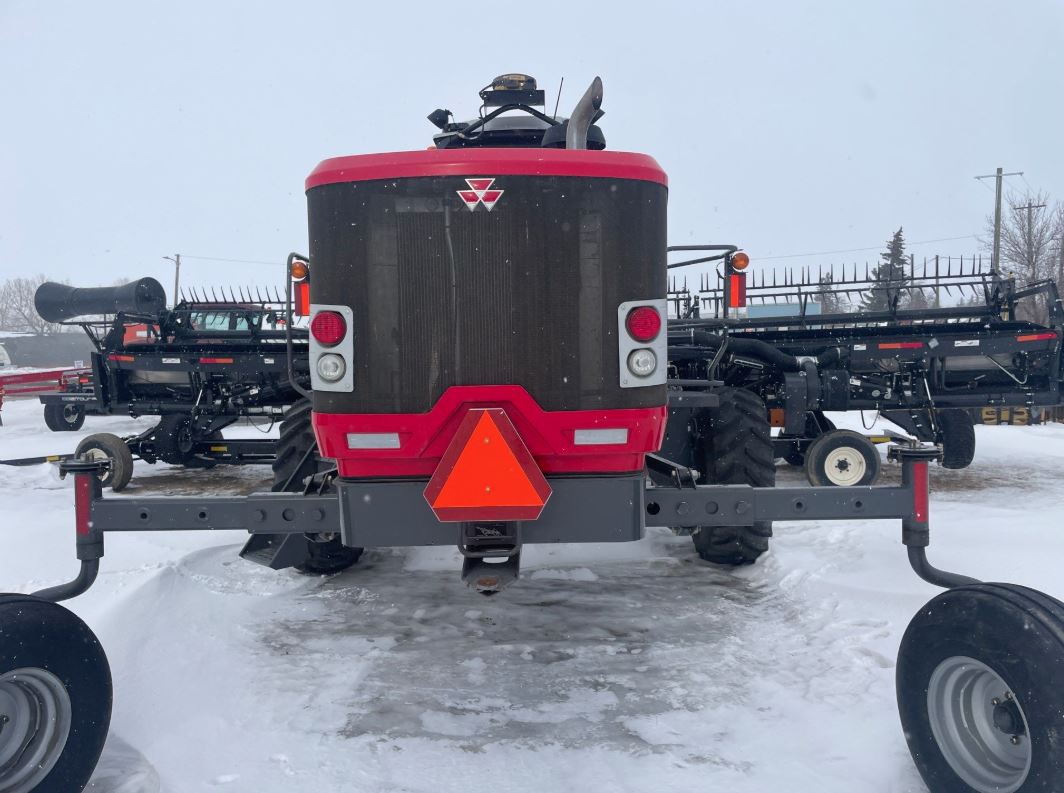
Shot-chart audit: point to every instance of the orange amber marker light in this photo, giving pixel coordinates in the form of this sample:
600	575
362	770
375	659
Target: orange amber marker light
740	261
299	270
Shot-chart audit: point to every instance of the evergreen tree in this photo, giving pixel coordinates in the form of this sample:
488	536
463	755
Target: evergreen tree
888	278
918	299
831	302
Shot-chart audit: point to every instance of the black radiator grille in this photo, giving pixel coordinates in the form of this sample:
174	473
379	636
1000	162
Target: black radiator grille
526	294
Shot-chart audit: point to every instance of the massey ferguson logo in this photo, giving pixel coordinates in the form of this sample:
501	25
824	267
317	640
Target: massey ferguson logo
480	192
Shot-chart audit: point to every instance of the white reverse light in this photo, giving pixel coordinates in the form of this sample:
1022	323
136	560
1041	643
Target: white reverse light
642	362
331	367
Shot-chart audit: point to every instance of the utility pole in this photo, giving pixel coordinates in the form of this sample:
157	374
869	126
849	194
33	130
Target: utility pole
1060	265
997	213
176	259
1033	271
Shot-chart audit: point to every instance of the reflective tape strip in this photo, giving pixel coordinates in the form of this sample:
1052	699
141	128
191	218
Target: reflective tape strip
373	440
600	437
1036	337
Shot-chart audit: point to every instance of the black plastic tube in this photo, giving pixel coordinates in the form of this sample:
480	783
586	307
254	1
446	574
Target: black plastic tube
754	348
85	579
932	575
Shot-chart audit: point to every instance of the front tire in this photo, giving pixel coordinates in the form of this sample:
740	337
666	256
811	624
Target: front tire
842	458
105	446
59	417
957	436
55	698
980	683
736	449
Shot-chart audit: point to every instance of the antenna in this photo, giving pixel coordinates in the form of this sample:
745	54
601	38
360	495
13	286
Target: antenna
558	100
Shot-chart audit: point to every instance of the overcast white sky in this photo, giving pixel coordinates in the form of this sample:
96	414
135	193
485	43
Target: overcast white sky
133	130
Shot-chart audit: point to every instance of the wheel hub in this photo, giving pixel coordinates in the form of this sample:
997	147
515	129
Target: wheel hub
99	455
184	440
844	466
1007	717
35	717
979	725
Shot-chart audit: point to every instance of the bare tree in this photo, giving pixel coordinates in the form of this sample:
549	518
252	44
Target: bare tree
7	314
1058	221
16	306
1029	229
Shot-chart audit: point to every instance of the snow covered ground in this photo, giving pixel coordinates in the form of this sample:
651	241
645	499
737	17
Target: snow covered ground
631	667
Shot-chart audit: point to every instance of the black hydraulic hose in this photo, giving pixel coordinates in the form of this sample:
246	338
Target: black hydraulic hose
755	348
764	351
85	578
829	357
695	337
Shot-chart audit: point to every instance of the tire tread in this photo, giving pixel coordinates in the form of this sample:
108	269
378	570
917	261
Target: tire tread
736	450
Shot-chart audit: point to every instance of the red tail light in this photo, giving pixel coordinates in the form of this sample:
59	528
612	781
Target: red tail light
643	323
737	290
328	328
302	299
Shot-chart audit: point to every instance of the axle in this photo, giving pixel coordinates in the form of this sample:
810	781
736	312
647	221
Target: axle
683	504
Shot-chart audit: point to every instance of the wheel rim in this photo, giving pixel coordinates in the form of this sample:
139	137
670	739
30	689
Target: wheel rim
98	455
980	727
184	439
35	715
70	414
845	466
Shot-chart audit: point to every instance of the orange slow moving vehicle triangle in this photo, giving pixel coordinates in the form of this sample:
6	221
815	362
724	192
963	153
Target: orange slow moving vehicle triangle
487	473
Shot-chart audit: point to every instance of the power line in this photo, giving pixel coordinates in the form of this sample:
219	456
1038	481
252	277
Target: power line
861	250
759	258
234	261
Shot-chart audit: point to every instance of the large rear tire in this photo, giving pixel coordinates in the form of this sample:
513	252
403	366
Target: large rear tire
59	417
297	460
297	450
55	698
980	681
957	436
736	449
